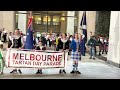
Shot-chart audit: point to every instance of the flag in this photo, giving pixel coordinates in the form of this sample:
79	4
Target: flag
29	39
84	33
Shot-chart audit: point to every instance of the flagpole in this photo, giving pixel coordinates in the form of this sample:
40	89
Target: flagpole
84	32
30	13
29	44
30	16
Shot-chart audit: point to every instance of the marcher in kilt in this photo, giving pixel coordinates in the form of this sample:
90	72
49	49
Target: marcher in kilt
63	44
75	54
105	45
100	45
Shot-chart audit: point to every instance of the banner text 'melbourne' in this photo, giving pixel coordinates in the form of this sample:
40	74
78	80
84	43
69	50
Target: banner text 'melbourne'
38	57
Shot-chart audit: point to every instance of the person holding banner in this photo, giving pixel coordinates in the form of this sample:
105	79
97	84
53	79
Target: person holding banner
63	44
76	53
40	47
17	43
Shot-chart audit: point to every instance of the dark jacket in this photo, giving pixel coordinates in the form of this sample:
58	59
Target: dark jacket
17	43
73	46
60	45
43	39
92	42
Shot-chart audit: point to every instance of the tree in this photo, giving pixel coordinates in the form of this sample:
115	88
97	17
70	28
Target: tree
103	23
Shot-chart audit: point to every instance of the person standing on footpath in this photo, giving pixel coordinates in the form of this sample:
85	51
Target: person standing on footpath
63	44
76	53
57	39
4	35
17	43
92	44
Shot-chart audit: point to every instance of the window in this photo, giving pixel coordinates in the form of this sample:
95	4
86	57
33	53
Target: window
46	19
56	20
37	19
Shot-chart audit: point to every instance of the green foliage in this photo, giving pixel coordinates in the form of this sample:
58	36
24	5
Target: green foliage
103	23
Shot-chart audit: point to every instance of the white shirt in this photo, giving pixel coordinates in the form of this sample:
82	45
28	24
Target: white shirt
23	39
10	37
105	40
47	37
71	38
4	31
36	40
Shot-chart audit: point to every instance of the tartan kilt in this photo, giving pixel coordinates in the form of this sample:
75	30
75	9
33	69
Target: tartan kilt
75	56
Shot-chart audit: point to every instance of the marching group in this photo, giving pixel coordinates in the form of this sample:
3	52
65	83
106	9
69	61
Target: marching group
60	42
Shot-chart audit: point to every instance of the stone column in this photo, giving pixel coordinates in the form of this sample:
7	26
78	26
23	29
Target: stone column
22	21
8	21
63	25
1	19
113	56
91	21
70	22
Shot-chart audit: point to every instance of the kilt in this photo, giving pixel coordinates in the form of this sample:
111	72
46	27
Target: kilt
75	56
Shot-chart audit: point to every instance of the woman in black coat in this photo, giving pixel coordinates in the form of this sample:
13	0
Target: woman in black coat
17	43
63	44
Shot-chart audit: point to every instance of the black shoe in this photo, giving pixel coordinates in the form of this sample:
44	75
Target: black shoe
13	71
93	58
60	71
90	58
64	71
37	72
102	52
19	71
99	54
72	72
1	73
78	72
40	71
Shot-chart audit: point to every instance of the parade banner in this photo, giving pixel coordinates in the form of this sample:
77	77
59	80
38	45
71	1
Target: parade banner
36	59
